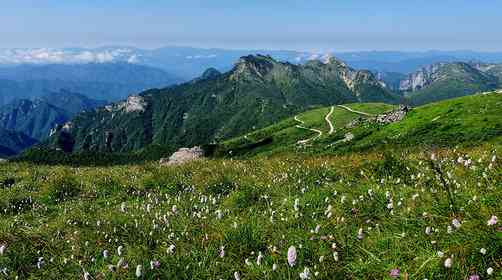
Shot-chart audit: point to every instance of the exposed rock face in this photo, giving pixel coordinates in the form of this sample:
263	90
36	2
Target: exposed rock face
183	155
393	116
422	78
133	104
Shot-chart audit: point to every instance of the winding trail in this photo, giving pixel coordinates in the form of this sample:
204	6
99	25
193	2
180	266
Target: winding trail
354	111
331	127
305	141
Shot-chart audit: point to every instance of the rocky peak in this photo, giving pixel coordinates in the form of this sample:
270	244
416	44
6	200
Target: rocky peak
253	65
421	78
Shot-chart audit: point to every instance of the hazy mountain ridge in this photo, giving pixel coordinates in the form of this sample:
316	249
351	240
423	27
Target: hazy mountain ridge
101	81
37	117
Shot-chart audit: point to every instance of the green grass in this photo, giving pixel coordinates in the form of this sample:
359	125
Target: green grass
70	216
465	121
284	135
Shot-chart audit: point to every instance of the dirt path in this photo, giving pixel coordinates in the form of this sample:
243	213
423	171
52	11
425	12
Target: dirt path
331	127
305	141
354	111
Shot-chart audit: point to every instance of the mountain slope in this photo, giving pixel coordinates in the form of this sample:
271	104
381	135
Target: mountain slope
71	102
446	80
33	118
298	132
256	92
468	120
36	118
12	143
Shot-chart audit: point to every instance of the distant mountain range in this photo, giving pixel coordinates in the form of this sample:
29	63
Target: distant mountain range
258	91
102	81
35	118
188	63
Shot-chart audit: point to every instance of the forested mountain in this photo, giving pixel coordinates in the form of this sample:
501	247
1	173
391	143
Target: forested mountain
256	92
448	80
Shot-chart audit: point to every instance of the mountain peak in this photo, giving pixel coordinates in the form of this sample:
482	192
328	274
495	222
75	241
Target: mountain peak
210	73
253	65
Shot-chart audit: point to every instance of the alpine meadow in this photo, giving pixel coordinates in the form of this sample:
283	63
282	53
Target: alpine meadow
250	140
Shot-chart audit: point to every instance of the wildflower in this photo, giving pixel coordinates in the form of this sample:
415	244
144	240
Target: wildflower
482	251
335	256
474	277
237	276
247	261
394	273
433	156
492	221
274	267
428	230
489	271
154	264
120	250
219	214
171	249
390	205
259	258
122	263
360	234
139	271
448	263
123	207
296	206
321	259
440	254
449	229
222	251
87	276
2	249
292	256
174	209
305	274
105	254
456	223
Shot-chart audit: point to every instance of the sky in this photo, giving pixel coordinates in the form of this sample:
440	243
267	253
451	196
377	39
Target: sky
307	25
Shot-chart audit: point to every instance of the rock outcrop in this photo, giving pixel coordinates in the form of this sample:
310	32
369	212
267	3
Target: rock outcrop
421	78
394	116
183	155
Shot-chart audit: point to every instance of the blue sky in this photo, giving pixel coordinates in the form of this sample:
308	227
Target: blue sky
313	25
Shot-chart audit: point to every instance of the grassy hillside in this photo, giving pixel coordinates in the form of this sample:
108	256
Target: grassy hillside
348	217
285	135
468	120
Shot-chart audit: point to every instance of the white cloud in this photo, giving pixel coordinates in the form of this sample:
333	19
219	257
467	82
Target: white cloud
44	55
